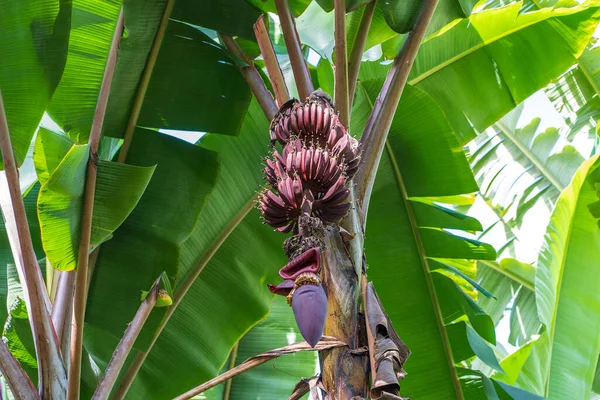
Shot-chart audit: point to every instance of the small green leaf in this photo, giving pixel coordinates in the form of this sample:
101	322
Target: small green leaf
59	208
50	148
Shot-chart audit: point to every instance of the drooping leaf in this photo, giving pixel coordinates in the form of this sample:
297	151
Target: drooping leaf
61	167
33	40
477	386
59	209
50	149
513	363
567	279
472	62
119	187
466	343
455	304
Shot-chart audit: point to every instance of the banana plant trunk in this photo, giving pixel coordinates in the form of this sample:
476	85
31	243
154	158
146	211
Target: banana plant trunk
344	369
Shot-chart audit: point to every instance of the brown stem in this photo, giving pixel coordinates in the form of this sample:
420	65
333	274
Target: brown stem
370	338
252	77
378	126
19	383
273	68
126	344
51	373
180	292
12	233
81	287
359	46
145	80
62	310
325	343
294	48
342	102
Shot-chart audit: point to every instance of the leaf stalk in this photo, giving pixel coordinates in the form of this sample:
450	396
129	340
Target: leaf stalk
342	102
252	77
378	126
51	372
126	344
81	278
294	48
359	46
273	67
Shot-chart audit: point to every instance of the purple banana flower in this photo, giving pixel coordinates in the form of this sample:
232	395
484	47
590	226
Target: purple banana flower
304	293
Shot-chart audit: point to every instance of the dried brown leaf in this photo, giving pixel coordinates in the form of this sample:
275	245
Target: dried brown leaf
389	352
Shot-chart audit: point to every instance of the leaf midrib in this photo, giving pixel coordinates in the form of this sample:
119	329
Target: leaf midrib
421	250
552	328
483	43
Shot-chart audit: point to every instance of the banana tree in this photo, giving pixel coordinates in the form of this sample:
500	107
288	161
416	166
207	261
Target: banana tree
168	214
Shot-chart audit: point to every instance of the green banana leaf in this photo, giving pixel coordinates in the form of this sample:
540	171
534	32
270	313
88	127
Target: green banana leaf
74	102
33	41
139	252
273	380
186	67
16	330
562	363
61	166
420	142
472	61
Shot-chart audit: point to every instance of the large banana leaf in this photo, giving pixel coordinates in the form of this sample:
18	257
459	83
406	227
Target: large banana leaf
472	61
140	251
421	145
274	380
33	43
211	95
567	279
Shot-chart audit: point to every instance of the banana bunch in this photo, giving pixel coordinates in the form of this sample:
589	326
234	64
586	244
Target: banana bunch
311	174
